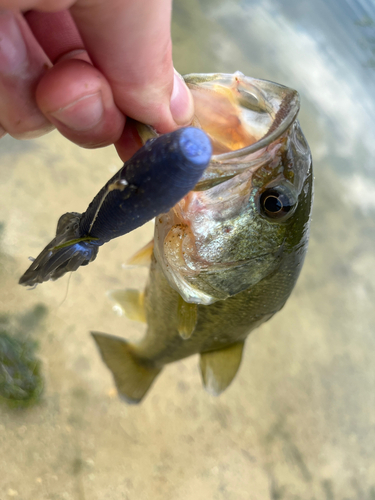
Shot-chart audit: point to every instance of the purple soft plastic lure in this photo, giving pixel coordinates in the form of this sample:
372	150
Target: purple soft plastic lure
150	183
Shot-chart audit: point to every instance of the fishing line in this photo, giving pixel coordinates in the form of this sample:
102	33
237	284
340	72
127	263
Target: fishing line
66	291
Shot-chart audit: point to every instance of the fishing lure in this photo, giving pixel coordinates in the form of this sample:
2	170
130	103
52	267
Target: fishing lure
148	184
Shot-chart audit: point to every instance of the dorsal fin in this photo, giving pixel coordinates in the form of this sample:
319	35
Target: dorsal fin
218	368
142	257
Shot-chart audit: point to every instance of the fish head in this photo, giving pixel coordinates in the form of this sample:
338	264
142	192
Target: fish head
249	214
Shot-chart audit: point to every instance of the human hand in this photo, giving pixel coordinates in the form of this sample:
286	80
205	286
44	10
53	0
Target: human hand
85	68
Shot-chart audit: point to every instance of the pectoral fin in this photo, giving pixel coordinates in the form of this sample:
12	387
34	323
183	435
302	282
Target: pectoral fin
187	315
132	376
219	367
131	303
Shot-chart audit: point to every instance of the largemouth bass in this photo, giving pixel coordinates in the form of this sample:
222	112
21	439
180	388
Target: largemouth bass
226	257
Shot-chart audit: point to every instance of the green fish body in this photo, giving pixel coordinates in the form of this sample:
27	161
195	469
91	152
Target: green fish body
226	258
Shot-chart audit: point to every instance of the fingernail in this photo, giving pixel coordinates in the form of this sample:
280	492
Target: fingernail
81	115
182	104
13	52
75	54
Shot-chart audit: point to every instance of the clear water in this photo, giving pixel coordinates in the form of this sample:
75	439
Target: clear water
299	420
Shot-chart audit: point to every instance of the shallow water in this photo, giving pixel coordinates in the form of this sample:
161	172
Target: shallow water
299	420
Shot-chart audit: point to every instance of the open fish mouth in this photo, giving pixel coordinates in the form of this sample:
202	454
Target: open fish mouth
239	113
243	116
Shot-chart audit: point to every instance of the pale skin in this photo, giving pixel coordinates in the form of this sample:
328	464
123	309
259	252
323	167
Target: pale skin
84	66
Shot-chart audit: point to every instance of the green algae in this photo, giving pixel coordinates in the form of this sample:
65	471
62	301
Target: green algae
21	380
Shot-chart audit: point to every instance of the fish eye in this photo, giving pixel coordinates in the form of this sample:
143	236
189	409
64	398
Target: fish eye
277	202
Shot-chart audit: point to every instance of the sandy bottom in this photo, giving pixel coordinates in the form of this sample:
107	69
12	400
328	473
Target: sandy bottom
297	423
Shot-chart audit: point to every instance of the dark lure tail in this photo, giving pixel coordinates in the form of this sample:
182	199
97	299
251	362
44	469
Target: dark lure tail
66	252
133	377
150	183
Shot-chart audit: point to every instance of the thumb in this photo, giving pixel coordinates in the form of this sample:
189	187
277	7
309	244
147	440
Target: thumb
130	43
